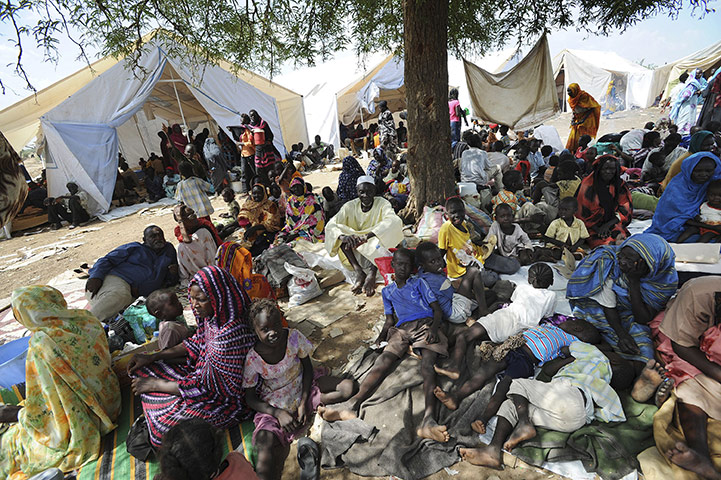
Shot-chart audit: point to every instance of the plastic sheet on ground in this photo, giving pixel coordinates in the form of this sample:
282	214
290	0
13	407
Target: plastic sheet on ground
121	212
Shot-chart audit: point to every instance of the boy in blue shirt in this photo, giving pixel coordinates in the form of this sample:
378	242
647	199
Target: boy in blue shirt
413	316
458	299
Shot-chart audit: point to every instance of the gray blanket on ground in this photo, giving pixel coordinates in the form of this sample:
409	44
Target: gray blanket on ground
396	410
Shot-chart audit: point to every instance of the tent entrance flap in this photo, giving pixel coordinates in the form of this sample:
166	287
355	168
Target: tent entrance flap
85	141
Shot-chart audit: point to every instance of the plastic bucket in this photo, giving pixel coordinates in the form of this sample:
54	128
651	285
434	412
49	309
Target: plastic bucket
258	136
12	362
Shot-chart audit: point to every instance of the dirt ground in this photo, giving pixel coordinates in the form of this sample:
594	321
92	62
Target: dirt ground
95	239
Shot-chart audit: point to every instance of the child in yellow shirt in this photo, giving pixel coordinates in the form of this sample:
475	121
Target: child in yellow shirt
566	231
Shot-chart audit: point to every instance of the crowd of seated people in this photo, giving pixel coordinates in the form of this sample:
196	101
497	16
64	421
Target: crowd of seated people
632	331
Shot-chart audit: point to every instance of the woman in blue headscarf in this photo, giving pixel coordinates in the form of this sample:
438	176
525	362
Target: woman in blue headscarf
679	205
352	170
619	289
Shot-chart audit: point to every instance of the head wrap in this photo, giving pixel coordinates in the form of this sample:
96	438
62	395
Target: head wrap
697	140
682	198
227	297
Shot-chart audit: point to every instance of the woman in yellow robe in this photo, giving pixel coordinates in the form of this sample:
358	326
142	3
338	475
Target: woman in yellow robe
586	116
73	396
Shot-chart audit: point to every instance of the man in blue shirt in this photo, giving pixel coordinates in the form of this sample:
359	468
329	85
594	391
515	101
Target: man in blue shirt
129	271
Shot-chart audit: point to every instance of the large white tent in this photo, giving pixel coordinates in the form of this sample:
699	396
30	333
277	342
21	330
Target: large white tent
117	108
333	100
615	82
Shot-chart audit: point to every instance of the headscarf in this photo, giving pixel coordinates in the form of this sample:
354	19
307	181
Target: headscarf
657	286
582	99
378	168
229	300
606	200
264	213
347	179
697	140
682	198
176	136
304	215
72	395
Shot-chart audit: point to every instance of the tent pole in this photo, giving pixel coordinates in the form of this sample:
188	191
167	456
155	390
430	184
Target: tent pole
179	105
135	119
361	112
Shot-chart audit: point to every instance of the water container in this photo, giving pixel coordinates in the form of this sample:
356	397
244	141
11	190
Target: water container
258	136
12	362
467	188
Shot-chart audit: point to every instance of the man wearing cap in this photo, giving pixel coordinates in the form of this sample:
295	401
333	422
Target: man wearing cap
363	230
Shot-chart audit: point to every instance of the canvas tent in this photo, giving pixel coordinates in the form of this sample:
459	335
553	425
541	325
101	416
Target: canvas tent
666	77
334	101
615	82
119	107
521	97
84	132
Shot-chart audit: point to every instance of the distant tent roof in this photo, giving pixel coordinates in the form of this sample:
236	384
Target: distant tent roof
705	59
330	100
21	121
615	82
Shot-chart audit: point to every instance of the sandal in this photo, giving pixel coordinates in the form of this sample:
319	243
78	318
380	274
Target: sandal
308	459
664	391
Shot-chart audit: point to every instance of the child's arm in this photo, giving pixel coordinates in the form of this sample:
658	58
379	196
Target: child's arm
307	383
432	336
553	241
576	245
383	336
286	420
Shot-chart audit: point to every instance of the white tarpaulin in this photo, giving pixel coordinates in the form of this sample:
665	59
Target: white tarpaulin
615	82
667	76
521	97
21	121
82	132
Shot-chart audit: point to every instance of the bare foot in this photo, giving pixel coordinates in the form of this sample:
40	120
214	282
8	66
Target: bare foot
690	460
482	457
647	383
523	431
664	391
432	431
479	426
369	286
451	373
335	415
360	280
445	398
148	385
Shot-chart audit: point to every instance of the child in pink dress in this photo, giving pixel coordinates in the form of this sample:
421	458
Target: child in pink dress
281	386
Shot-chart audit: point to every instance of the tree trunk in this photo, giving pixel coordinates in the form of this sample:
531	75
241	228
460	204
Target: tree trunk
430	167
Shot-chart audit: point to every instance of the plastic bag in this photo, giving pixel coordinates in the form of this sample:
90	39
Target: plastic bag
430	223
303	286
142	322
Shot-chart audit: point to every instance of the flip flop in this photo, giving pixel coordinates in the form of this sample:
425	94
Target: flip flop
663	391
308	459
